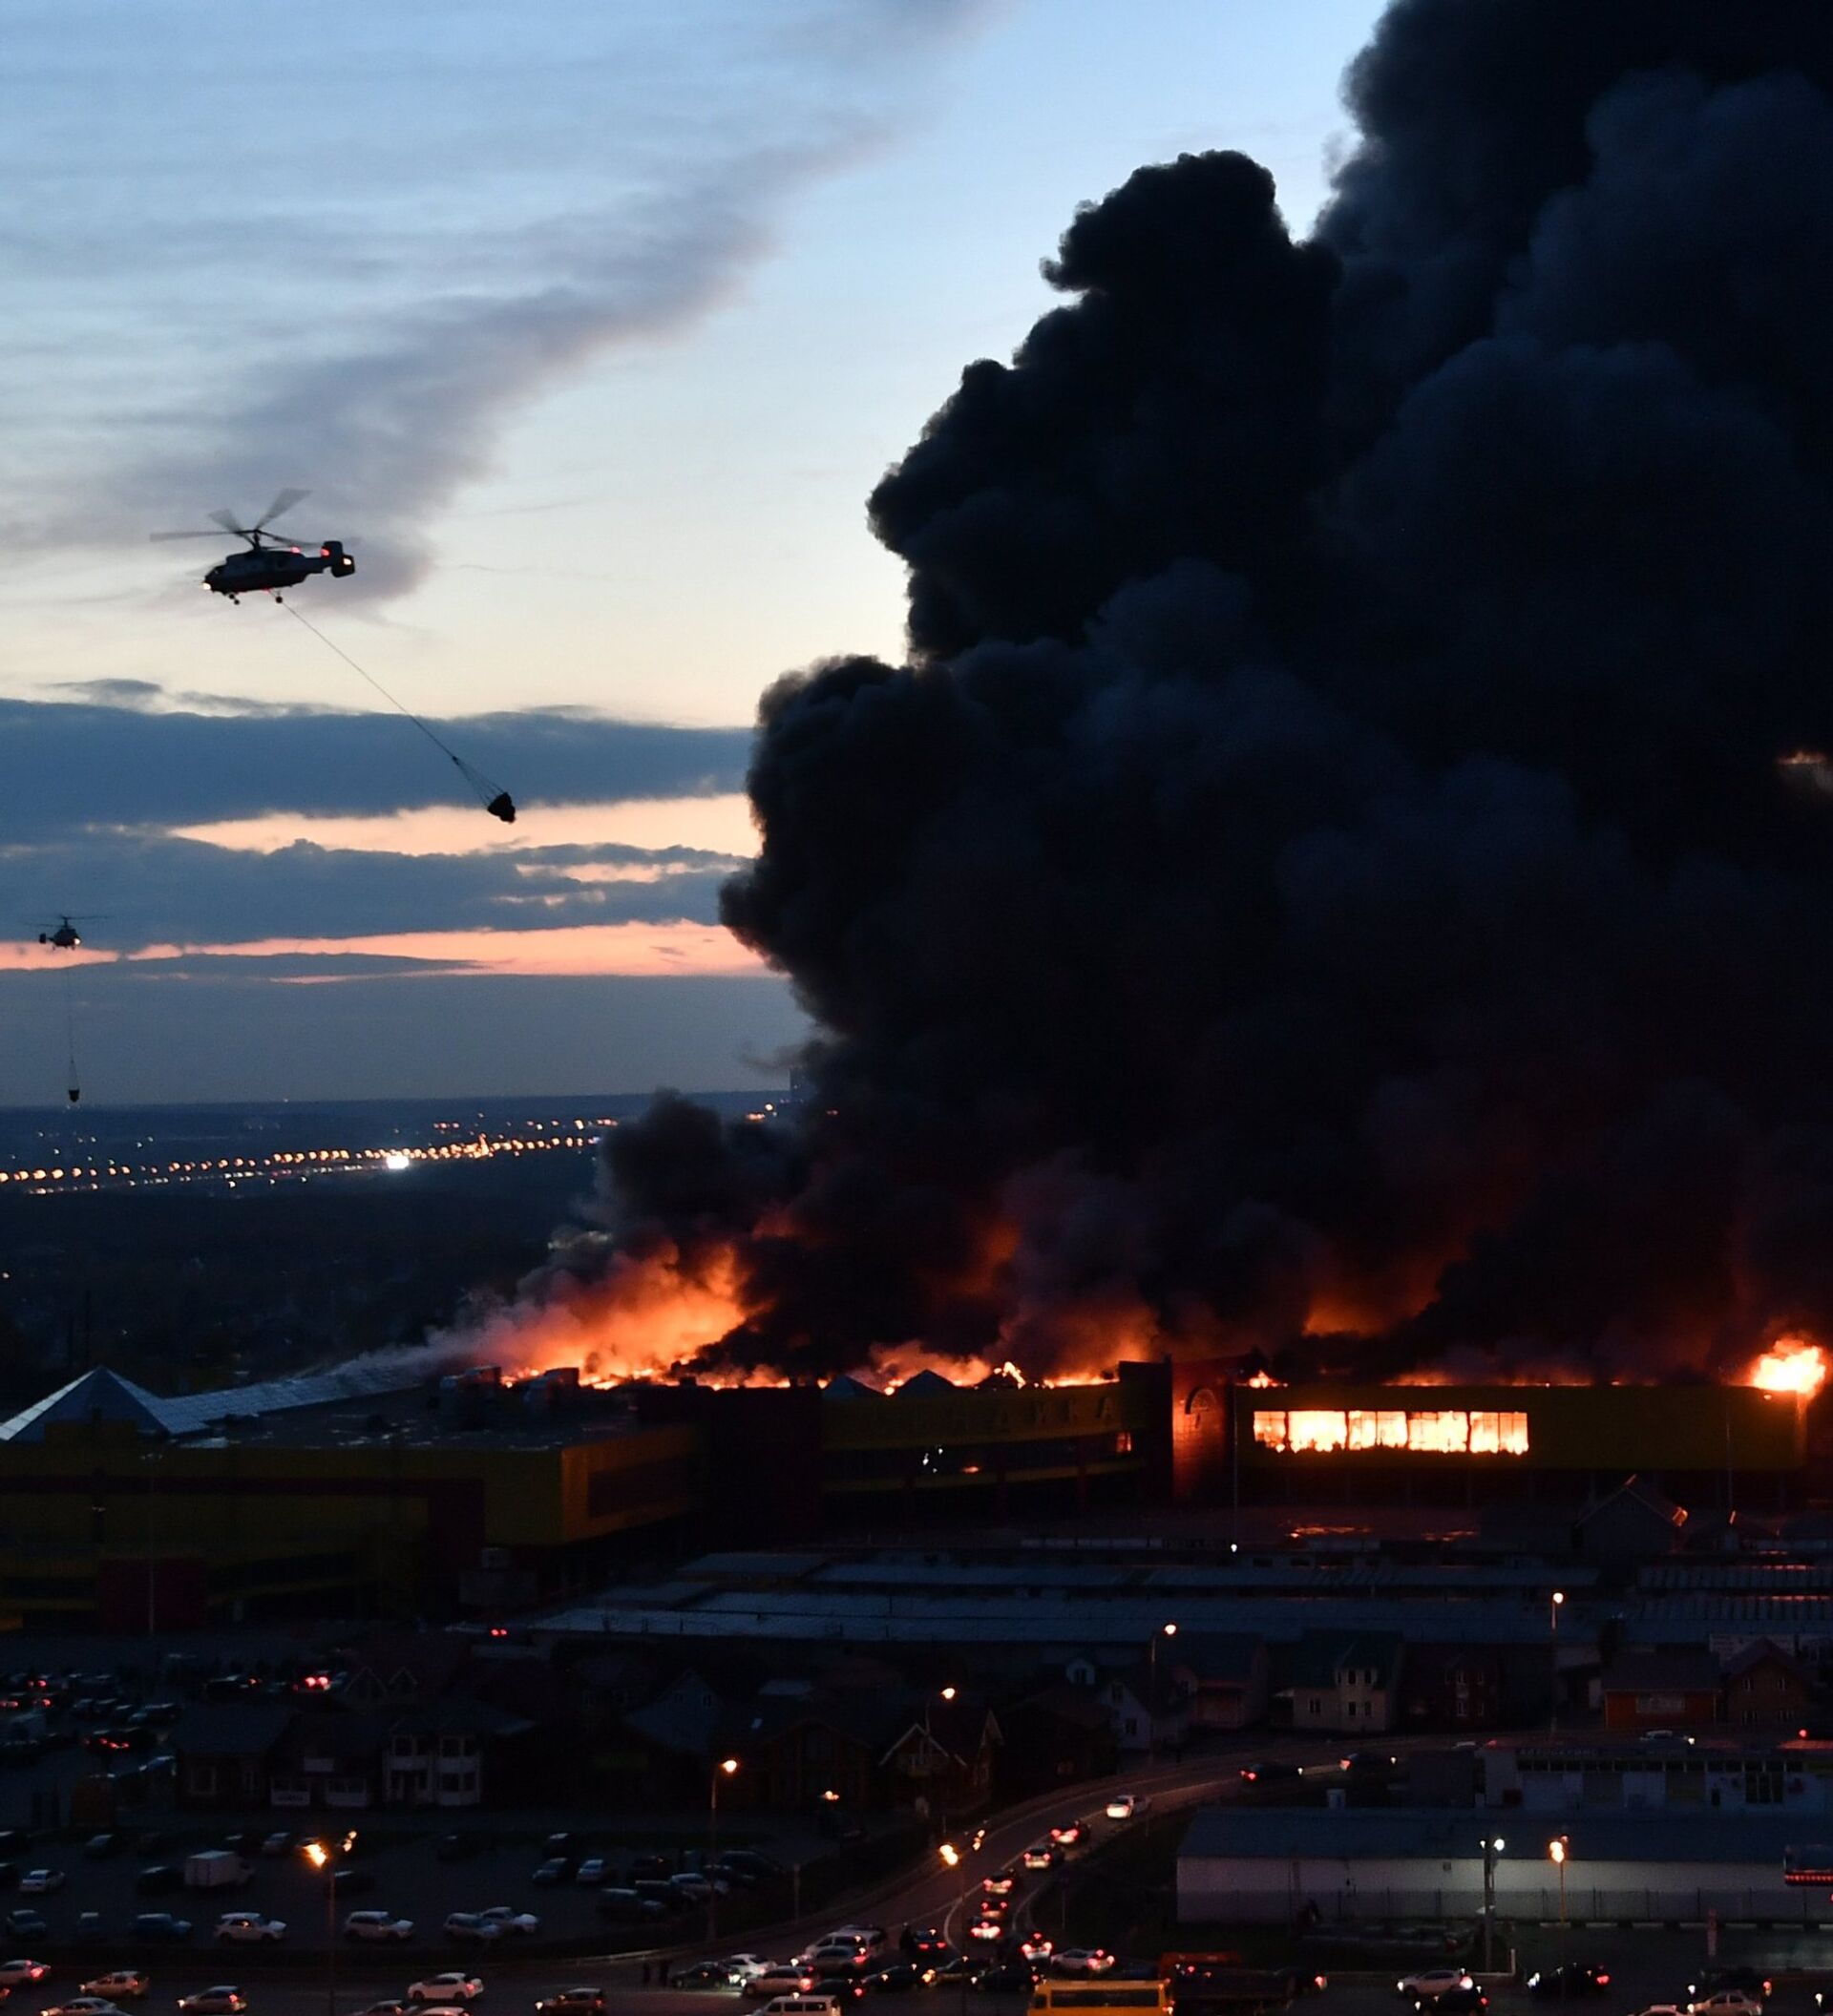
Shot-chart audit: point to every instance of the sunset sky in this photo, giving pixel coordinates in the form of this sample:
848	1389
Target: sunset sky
589	327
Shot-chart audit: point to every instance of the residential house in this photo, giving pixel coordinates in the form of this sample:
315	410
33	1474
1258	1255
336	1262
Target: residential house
1148	1709
394	1668
225	1751
331	1759
661	1752
942	1760
1058	1737
1346	1685
1224	1678
810	1751
1670	1690
1766	1688
1635	1524
1453	1687
453	1754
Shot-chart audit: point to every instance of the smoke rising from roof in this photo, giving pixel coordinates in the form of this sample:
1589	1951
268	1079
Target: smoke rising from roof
1326	867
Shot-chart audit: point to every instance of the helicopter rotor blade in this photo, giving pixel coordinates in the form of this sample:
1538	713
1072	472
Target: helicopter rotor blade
285	503
157	537
227	520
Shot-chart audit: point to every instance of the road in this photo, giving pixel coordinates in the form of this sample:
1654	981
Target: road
296	1982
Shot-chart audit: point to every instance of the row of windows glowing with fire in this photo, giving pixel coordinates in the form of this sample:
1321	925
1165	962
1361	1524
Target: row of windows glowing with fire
1439	1431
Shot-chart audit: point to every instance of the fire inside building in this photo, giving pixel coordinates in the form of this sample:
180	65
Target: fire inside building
359	1491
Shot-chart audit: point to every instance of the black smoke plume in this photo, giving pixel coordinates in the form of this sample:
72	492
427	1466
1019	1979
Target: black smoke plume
1327	865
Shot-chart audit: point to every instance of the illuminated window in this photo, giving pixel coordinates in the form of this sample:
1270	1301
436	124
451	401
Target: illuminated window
1447	1431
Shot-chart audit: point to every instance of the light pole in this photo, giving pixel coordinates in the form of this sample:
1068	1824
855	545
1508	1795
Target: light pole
1553	1609
953	1857
1165	1631
939	1814
1557	1849
726	1768
1491	1848
324	1858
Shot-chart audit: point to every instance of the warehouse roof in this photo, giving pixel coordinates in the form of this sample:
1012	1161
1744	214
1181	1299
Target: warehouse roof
1279	1833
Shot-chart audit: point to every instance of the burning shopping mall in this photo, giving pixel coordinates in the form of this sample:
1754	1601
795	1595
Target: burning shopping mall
367	1490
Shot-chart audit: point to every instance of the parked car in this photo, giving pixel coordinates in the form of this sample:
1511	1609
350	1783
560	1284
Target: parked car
895	1977
23	1973
100	1845
250	1928
157	1879
520	1923
573	2002
348	1882
119	1984
377	1927
625	1906
1009	1977
161	1925
385	2008
556	1869
26	1923
455	1847
280	1843
454	1987
1752	1980
89	1930
1567	1984
1726	2002
1454	2002
40	1883
1431	1982
472	1926
703	1974
591	1872
82	2005
780	1980
221	2000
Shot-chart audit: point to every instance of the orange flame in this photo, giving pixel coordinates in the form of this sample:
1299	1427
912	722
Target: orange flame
1790	1365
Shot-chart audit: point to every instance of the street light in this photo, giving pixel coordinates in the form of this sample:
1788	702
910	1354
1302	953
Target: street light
1557	1849
1165	1631
1491	1848
726	1768
1552	1661
323	1858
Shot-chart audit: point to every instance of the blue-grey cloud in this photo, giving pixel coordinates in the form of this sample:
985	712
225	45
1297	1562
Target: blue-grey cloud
167	890
75	765
427	220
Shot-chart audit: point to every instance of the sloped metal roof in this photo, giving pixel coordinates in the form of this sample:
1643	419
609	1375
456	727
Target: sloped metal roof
99	1395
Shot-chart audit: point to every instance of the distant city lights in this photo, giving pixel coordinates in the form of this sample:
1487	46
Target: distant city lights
533	1137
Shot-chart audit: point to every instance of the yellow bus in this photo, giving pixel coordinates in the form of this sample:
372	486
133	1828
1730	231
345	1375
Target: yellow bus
1101	1997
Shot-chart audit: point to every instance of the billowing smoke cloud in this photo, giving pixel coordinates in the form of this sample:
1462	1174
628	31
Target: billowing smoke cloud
1326	867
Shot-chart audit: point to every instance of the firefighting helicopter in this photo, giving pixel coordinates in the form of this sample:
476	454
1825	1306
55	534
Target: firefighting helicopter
66	937
270	563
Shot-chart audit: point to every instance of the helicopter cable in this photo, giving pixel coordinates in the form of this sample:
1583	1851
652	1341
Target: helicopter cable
490	795
73	1083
